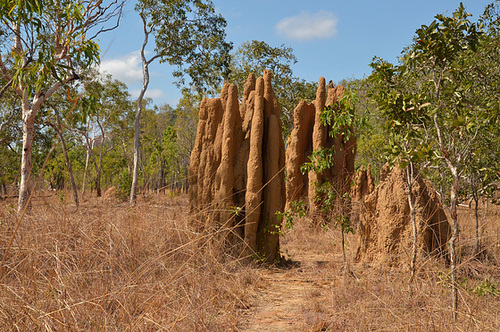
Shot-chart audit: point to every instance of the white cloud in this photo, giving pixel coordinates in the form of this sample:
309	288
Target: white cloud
308	26
126	69
151	93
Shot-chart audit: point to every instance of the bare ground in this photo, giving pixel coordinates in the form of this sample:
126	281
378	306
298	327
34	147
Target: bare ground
283	303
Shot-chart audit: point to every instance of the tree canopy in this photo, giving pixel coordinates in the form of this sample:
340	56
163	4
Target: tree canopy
438	103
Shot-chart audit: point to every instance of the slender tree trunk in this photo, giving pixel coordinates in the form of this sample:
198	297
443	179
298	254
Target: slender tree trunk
476	216
28	117
98	182
29	112
342	236
145	73
453	242
410	177
28	135
475	196
453	211
66	158
90	153
85	172
135	172
99	166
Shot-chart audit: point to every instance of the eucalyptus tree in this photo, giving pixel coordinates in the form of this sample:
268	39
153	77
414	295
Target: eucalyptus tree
105	105
189	35
432	95
46	40
173	140
185	125
58	124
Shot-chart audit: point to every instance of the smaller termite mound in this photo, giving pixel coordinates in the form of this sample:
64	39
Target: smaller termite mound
385	231
236	177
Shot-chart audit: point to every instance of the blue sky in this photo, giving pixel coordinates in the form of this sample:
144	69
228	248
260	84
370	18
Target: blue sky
330	38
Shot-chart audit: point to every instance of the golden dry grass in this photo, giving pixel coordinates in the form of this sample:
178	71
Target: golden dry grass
381	299
109	267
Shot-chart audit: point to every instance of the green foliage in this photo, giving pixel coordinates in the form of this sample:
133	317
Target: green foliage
123	184
340	117
9	166
297	209
112	165
371	142
60	194
404	114
104	101
486	288
191	36
163	158
167	136
484	163
255	56
438	104
55	170
329	198
235	210
445	280
52	40
341	121
10	135
319	161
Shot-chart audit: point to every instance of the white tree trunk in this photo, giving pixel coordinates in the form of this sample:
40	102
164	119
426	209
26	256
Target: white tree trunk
135	172
28	135
145	83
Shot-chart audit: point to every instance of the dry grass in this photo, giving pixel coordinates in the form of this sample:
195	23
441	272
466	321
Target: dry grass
109	267
381	299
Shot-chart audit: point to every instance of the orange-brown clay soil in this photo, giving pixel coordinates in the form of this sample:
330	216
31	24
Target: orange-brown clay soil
290	299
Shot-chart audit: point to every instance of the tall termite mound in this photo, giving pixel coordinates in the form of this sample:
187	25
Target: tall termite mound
385	233
310	134
236	176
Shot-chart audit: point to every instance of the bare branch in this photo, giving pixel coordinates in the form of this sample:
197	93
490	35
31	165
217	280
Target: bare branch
104	15
6	86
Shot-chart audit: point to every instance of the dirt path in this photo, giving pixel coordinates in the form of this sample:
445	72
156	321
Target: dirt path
291	299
